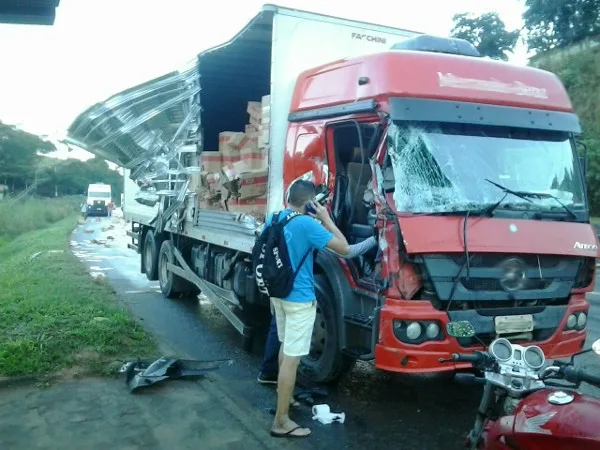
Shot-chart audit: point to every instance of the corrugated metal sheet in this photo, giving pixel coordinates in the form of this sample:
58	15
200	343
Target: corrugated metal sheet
144	118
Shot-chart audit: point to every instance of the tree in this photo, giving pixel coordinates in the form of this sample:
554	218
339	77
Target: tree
559	23
487	33
18	156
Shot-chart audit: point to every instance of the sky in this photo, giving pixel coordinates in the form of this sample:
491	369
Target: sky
97	48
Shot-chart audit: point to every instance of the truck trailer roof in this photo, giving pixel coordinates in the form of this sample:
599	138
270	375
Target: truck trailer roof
136	120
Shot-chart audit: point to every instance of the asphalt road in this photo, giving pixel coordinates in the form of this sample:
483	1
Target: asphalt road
382	410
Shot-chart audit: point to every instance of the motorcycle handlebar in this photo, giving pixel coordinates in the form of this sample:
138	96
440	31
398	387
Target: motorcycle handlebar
470	358
576	375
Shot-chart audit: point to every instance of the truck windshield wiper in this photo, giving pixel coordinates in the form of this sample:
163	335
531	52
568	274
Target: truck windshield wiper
525	195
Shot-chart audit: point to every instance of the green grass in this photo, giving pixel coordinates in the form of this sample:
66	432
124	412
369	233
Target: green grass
54	316
595	220
28	214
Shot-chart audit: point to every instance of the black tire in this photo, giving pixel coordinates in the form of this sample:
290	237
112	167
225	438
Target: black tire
325	363
152	246
248	343
171	285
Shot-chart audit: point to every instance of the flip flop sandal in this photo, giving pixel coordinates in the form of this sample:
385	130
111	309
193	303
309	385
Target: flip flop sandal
289	434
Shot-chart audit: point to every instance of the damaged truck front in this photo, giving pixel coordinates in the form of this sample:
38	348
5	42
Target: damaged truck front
465	169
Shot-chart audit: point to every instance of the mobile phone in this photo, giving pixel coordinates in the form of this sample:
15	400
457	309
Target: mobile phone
321	197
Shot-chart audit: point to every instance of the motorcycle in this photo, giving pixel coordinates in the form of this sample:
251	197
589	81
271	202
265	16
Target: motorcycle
521	408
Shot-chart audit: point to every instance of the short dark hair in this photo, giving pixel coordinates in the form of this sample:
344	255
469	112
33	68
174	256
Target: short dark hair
301	192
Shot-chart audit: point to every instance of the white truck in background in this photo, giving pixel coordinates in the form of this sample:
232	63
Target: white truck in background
99	196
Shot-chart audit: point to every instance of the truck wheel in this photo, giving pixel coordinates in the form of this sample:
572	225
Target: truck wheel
325	363
171	285
150	255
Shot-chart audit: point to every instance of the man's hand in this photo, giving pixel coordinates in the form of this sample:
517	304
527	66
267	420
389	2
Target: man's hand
320	213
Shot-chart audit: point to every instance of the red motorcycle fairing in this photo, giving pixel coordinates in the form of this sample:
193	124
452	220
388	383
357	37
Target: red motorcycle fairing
540	425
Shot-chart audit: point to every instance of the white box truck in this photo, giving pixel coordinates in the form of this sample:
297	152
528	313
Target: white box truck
393	123
99	196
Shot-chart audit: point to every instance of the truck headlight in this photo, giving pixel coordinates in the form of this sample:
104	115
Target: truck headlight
581	320
417	332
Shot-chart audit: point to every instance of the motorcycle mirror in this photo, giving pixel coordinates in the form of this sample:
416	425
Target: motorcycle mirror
596	347
460	329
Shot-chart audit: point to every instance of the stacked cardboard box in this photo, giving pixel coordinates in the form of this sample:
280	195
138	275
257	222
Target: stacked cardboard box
237	172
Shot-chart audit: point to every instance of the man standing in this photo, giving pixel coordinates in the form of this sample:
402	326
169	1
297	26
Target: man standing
269	368
295	314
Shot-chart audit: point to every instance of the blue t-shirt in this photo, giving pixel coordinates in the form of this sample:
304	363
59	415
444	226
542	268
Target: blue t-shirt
303	233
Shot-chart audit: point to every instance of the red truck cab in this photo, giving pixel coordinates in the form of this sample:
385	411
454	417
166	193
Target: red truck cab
467	171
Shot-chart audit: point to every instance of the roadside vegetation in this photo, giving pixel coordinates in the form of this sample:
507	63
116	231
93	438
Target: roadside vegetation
55	317
29	214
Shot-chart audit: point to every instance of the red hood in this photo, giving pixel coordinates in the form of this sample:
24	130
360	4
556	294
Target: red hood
434	234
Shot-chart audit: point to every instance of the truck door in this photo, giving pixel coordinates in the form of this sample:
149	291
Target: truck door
350	146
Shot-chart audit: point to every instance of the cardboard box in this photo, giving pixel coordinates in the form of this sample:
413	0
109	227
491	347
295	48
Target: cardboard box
254	157
229	142
255	111
264	137
265	101
265	117
234	170
256	207
253	184
211	161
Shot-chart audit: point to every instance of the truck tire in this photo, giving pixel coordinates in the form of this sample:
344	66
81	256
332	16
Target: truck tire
325	363
150	254
171	285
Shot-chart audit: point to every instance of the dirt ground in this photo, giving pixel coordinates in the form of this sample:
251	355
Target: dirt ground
102	413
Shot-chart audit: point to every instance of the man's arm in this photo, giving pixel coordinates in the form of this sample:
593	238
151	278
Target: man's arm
338	243
359	249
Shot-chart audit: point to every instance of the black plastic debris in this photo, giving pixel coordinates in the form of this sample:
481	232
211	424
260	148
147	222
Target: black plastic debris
139	374
307	396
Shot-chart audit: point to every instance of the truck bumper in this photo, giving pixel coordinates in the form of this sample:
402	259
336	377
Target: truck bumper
394	355
97	210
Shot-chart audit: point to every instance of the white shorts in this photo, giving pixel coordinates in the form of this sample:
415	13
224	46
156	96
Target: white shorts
295	323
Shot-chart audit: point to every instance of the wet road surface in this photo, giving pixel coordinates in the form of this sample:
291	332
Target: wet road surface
383	410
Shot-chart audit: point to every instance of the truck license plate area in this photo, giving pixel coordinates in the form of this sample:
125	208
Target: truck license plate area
514	324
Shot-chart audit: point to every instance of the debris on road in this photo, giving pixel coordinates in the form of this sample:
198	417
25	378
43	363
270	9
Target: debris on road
98	276
323	414
308	396
144	373
36	254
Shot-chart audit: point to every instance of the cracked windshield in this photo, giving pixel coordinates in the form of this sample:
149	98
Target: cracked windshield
444	168
253	226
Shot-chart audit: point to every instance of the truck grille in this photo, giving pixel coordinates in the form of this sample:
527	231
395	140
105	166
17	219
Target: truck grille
501	279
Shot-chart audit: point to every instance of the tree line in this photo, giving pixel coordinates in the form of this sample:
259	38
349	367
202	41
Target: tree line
25	166
548	24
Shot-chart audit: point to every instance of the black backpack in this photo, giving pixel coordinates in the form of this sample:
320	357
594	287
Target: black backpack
271	261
